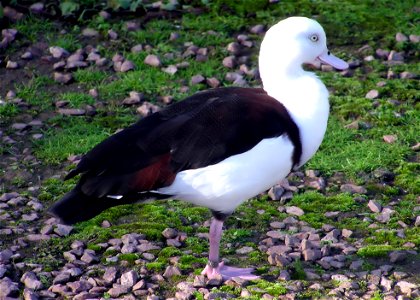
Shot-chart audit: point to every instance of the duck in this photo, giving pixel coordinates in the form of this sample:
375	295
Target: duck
218	147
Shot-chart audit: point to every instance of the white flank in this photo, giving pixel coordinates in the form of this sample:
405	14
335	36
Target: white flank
223	186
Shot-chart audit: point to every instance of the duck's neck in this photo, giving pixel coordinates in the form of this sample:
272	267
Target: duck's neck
306	99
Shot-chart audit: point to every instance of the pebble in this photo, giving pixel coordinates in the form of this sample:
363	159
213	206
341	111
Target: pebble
294	210
112	34
390	139
396	56
63	77
129	279
372	94
127	66
257	29
196	79
353	189
147	108
72	111
12	65
27	55
244	250
58	52
8	288
213	82
90	33
229	62
414	38
374	206
171	69
171	271
152	60
63	230
400	37
30	280
397	256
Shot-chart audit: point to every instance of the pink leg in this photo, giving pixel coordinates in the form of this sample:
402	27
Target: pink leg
215	269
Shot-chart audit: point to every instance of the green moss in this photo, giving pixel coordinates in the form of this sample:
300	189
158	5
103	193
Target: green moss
93	247
274	289
375	250
156	266
129	257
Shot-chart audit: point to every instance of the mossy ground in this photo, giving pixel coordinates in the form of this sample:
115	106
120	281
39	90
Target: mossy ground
355	153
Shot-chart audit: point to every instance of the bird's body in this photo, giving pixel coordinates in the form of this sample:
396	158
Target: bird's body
219	147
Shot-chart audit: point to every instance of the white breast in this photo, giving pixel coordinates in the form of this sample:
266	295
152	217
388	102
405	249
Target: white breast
306	99
225	185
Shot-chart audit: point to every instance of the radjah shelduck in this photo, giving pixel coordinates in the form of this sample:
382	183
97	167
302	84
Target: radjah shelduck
218	147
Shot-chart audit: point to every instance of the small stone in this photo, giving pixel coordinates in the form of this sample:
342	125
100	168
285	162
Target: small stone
400	37
386	284
171	271
170	233
90	33
58	52
132	26
152	60
353	189
390	139
294	210
382	53
37	7
27	55
397	256
37	237
417	221
229	62
134	98
346	233
414	38
8	288
372	94
110	275
12	65
369	58
30	281
79	286
257	29
406	287
196	79
63	230
374	206
30	295
215	281
408	75
213	82
147	108
112	34
127	66
89	256
72	111
244	250
129	278
276	192
171	69
284	275
356	265
19	126
62	78
311	254
396	56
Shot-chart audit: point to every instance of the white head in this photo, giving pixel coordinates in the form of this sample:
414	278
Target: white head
291	43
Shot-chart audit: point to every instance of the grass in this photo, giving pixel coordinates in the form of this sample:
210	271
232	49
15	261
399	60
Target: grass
356	153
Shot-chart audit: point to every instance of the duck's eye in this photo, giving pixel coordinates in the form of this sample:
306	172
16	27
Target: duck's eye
314	38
